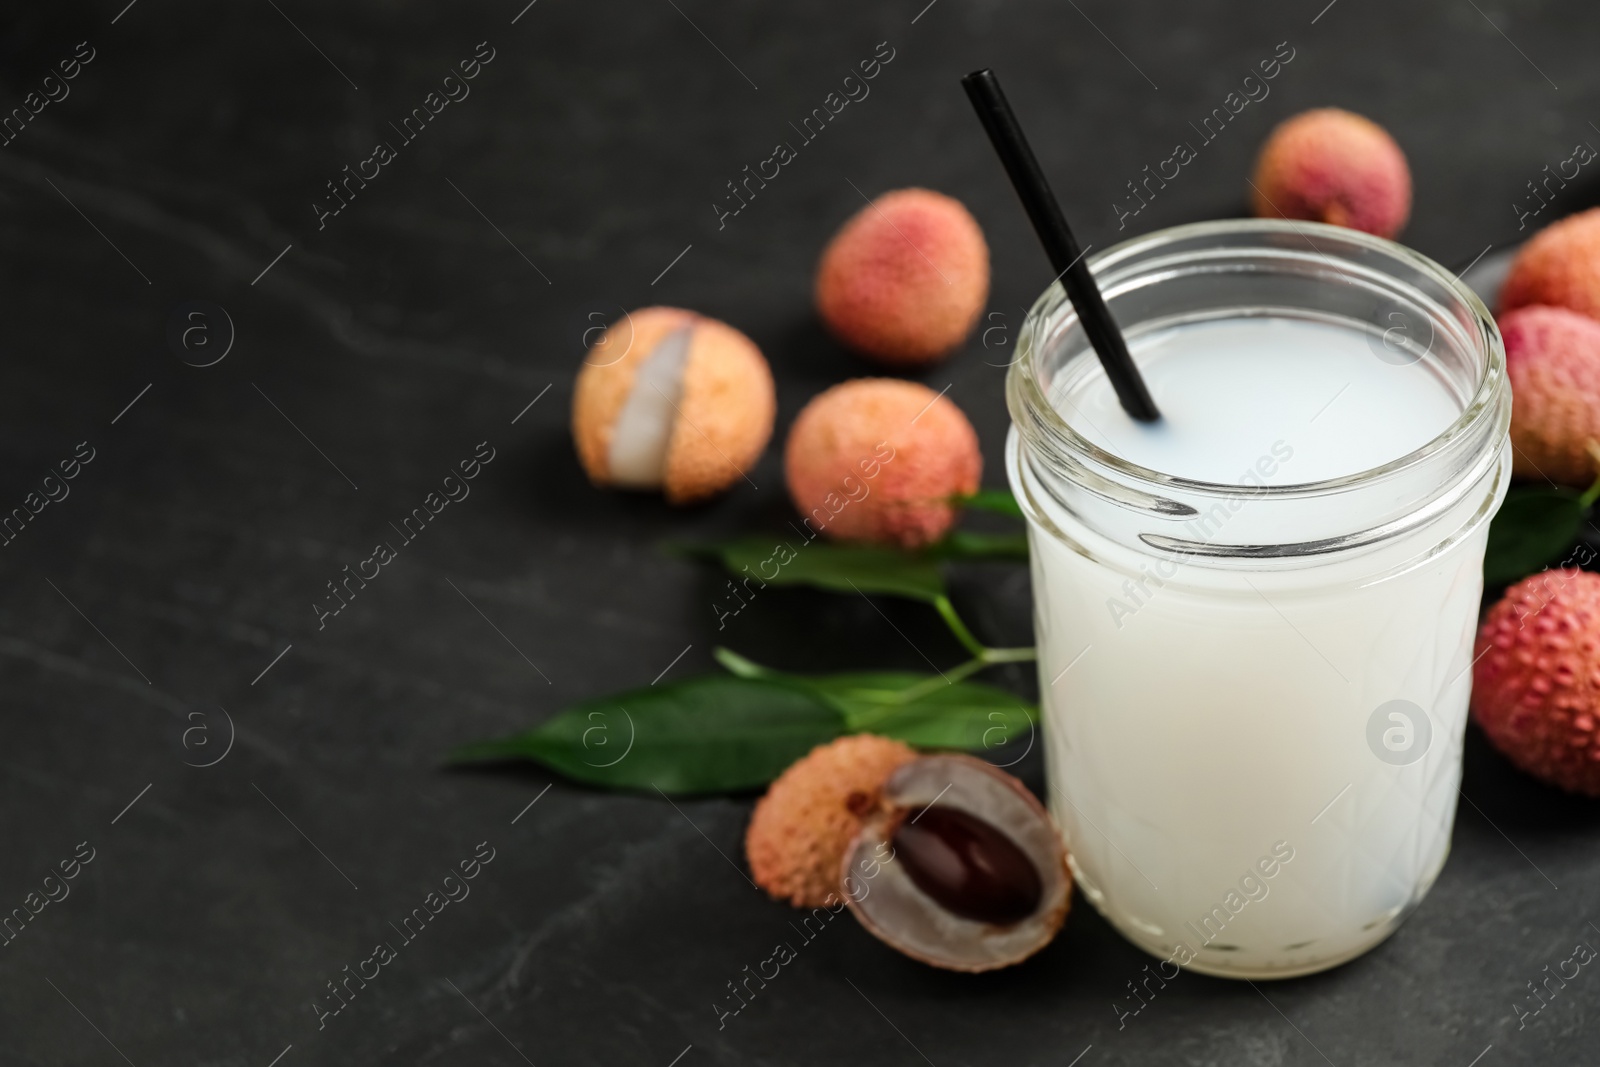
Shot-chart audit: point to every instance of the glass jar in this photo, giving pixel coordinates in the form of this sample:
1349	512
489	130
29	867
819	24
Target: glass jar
1254	695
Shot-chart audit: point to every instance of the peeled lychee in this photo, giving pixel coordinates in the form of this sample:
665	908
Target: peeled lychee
1553	362
1559	266
671	400
960	867
1337	167
1536	684
905	279
880	459
801	828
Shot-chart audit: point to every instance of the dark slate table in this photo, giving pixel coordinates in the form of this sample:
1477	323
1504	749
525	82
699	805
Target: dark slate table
165	604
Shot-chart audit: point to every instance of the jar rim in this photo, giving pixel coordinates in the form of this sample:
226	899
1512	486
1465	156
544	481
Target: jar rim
1046	419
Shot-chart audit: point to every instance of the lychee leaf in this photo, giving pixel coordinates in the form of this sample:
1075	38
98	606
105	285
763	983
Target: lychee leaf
999	501
961	544
756	562
712	734
969	716
924	710
1533	529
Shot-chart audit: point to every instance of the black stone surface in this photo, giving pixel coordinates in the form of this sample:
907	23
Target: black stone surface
454	290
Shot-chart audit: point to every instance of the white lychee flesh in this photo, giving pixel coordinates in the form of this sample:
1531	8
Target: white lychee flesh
638	456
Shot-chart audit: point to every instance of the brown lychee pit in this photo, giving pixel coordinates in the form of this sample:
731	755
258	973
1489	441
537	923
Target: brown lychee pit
643	430
959	866
967	866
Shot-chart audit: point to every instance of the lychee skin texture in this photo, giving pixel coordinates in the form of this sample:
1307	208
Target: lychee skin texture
1553	362
800	829
904	281
879	459
724	417
1536	685
1337	167
1559	266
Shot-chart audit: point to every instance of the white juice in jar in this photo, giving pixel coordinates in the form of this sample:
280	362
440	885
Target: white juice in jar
1240	791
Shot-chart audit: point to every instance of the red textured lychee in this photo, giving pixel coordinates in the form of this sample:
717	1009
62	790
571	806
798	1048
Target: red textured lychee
880	459
905	279
1553	362
1536	685
801	828
1333	166
1559	266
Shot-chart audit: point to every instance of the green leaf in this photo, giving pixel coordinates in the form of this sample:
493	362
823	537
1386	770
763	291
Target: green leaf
960	544
834	567
924	710
711	734
1000	501
1532	529
957	715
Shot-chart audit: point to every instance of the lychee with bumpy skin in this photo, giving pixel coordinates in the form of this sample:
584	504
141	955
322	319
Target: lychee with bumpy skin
801	828
1559	266
1333	166
904	281
881	460
1553	363
1536	683
671	400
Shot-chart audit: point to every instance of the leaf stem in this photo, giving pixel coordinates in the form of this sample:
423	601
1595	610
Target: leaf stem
949	677
1009	655
947	611
1591	494
983	655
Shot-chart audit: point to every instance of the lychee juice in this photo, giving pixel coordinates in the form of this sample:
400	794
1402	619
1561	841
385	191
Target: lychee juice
1255	623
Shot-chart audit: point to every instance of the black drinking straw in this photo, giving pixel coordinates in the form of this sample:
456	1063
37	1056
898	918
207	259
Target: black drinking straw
983	89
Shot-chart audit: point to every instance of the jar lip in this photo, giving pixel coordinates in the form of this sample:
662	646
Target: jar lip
1483	402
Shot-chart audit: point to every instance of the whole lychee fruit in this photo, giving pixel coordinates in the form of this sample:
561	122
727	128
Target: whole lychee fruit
905	279
1536	684
1553	362
1333	166
880	459
668	399
801	828
1559	266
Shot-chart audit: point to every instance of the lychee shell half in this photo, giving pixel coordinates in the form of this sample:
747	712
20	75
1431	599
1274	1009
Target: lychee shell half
1536	683
844	486
800	829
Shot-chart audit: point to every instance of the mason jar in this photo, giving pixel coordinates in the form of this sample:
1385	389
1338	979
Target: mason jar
1254	687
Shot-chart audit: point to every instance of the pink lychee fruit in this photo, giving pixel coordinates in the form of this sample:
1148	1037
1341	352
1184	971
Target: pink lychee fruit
881	460
1553	362
1559	266
904	281
1536	682
1333	166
